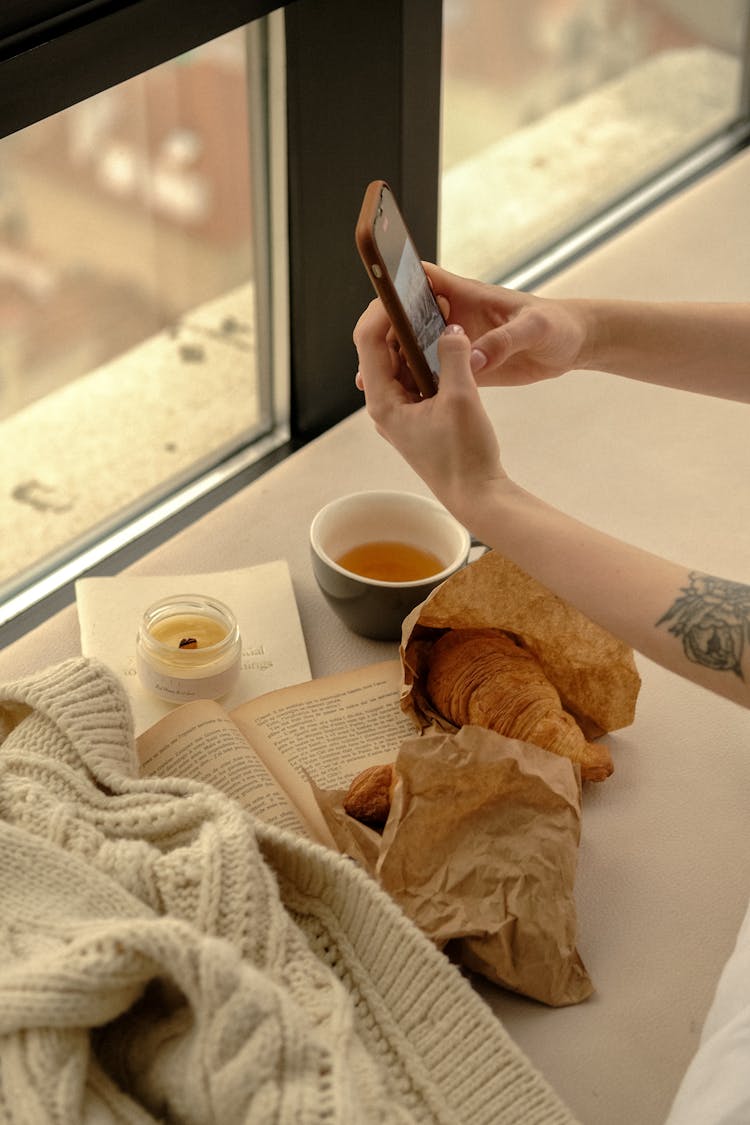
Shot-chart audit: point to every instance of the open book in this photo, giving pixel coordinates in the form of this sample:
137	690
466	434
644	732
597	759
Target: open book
263	752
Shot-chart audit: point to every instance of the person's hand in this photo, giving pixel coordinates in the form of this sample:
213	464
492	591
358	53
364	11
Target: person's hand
447	439
515	337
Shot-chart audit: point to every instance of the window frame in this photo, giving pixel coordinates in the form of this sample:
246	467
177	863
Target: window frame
83	48
363	97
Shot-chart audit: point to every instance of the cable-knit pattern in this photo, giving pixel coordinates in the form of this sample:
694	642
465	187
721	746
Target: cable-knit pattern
164	956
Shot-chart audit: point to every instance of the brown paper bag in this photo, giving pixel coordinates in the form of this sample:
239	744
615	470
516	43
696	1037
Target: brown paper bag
480	850
594	673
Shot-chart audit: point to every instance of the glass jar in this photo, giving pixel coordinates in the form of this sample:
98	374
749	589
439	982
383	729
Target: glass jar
188	647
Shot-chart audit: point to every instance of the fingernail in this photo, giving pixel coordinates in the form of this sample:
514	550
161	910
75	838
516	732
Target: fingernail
453	330
477	360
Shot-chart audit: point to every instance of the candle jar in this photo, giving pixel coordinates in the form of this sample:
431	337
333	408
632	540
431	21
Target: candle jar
188	647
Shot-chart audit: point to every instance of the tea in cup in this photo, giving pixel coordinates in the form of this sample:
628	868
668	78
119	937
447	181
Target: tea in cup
376	555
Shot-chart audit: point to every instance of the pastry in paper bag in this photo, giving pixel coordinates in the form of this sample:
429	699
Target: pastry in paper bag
493	647
480	850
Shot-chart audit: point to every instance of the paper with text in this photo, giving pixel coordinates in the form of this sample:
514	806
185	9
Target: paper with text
200	741
261	598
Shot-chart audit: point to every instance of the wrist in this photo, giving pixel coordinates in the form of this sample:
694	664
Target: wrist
593	330
483	508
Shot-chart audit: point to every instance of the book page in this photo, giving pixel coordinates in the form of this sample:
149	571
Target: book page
199	741
262	599
328	729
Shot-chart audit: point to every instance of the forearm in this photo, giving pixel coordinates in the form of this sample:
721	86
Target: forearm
692	346
694	626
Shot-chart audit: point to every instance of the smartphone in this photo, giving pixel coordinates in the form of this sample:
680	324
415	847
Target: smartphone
396	271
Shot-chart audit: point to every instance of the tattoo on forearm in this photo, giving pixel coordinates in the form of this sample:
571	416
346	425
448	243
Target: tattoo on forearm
712	618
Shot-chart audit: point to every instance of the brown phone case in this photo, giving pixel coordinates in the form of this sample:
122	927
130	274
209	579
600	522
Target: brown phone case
386	289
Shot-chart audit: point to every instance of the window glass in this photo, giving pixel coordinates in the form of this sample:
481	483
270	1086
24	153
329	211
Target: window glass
553	109
128	329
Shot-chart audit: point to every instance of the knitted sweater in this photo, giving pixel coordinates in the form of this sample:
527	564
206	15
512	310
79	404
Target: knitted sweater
164	957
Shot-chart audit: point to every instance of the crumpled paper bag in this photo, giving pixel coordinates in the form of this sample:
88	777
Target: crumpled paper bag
594	673
480	851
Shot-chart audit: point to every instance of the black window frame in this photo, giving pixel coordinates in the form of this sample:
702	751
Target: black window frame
363	103
54	53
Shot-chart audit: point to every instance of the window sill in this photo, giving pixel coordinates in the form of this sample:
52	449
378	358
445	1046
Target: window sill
505	205
183	400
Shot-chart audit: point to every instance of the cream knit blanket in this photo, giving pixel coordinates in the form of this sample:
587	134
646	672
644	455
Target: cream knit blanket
163	957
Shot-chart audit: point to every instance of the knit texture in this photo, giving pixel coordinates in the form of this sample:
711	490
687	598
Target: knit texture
164	957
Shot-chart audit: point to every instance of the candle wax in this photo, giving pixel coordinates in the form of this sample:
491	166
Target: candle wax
204	630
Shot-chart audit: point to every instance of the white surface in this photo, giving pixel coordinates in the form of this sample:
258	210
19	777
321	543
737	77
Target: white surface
664	877
715	1088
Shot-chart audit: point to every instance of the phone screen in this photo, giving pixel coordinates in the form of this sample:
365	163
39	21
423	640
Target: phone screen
409	278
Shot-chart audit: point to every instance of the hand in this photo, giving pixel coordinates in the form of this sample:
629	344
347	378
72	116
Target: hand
447	439
516	338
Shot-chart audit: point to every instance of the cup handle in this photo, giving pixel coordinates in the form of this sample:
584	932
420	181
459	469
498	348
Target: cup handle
478	548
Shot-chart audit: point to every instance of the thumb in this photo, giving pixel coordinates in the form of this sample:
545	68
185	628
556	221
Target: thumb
454	349
518	334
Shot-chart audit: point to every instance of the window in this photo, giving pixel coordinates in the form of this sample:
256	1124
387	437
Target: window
554	110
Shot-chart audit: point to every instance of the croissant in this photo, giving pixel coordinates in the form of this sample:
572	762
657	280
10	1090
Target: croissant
483	677
369	795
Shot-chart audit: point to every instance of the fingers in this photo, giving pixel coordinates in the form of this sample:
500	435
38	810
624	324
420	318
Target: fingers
372	324
454	350
379	363
381	373
442	281
523	332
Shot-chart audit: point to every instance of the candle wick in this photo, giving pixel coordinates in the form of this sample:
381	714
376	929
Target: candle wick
188	642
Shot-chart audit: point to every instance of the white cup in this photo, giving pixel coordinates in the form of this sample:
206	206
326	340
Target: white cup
376	607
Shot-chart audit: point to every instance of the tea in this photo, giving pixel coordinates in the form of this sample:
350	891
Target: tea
390	561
